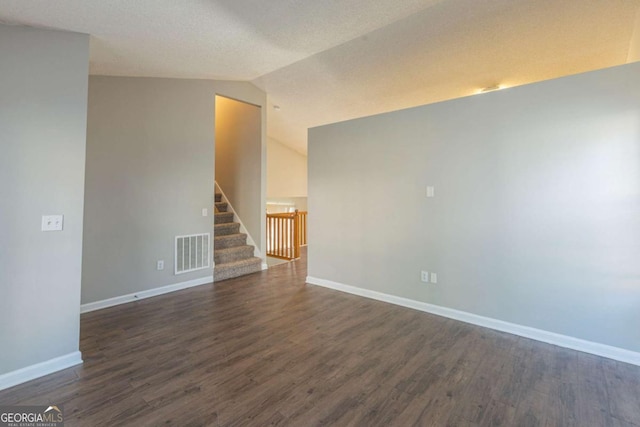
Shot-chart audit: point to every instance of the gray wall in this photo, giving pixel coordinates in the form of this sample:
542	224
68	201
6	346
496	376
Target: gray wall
240	161
150	169
536	218
43	110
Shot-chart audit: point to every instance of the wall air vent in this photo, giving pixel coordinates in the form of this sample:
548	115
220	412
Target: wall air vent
192	253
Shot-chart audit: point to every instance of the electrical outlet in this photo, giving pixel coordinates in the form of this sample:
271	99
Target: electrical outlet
431	191
160	265
424	276
434	278
52	222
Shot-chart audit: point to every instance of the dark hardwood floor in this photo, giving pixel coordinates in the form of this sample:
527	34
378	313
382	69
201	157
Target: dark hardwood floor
266	349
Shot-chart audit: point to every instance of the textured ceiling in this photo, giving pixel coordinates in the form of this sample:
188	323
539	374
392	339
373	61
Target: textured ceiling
220	39
324	61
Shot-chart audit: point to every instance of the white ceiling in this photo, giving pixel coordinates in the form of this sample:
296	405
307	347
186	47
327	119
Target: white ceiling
324	61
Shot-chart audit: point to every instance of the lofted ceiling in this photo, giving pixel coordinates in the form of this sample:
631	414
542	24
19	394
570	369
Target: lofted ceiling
324	61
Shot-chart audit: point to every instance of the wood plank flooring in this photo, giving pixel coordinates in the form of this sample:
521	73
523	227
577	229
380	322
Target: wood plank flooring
266	349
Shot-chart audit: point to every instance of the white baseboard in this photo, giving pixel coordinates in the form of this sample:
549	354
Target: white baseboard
565	341
32	372
98	305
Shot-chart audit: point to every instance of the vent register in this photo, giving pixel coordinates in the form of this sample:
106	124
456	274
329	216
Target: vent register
193	252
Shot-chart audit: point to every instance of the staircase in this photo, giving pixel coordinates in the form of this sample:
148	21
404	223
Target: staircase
231	254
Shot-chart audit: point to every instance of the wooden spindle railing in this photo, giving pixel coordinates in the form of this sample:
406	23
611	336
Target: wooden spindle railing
302	228
286	232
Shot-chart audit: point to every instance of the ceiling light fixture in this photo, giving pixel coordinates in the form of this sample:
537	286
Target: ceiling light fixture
490	89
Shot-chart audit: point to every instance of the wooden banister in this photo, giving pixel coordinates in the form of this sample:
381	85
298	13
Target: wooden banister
302	227
286	232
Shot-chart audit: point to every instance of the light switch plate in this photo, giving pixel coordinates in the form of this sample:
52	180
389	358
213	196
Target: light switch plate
434	278
52	222
205	212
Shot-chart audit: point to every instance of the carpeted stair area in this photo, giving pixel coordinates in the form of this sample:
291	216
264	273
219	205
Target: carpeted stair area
232	256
